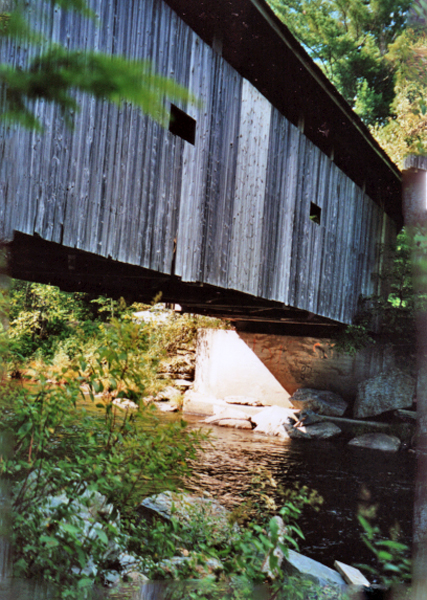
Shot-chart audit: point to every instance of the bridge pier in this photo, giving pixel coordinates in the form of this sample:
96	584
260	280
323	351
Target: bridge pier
293	345
297	362
271	368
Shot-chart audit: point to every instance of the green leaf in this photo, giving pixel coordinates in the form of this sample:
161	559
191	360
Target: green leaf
383	555
50	541
102	535
98	387
85	582
70	528
25	428
391	567
393	545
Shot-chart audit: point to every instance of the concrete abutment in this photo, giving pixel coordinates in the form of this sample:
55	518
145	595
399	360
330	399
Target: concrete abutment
270	368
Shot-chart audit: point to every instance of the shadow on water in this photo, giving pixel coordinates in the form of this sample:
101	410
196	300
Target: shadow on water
347	478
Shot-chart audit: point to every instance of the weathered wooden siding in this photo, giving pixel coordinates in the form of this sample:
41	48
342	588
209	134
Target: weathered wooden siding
235	205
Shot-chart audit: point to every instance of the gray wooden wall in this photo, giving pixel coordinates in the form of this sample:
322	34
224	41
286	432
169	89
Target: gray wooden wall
236	203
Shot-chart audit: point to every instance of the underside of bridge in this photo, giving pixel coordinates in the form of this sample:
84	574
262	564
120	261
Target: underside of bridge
33	259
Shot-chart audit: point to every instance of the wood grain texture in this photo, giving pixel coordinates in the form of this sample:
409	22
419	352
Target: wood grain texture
232	210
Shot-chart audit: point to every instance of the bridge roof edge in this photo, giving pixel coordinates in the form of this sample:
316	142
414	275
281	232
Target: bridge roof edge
263	50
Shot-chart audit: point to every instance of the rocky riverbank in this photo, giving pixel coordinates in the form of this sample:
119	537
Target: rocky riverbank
206	519
316	414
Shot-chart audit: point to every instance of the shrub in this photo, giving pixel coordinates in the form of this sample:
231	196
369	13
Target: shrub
64	453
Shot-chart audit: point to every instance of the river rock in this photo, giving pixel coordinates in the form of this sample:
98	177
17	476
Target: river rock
276	550
125	404
136	577
387	391
224	412
319	401
297	564
296	433
308	417
271	420
204	567
244	400
376	441
321	431
166	407
192	512
234	423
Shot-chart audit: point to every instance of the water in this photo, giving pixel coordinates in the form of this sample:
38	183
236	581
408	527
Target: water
346	477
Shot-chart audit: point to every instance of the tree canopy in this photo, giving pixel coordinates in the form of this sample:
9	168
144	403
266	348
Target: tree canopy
350	39
405	131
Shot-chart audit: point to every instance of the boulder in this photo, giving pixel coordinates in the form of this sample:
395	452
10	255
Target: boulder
297	564
321	431
376	441
271	420
204	567
222	412
136	577
387	391
244	400
308	417
296	433
193	512
234	423
319	401
125	404
169	393
166	407
276	550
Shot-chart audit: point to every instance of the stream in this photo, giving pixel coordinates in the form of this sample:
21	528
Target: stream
344	476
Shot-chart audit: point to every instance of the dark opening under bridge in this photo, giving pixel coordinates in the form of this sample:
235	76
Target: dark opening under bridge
267	203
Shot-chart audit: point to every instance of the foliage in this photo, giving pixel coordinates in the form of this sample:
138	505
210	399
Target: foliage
55	72
41	317
390	315
77	476
404	133
394	564
244	555
64	454
50	327
350	40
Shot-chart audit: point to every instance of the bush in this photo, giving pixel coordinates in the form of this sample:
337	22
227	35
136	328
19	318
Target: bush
64	454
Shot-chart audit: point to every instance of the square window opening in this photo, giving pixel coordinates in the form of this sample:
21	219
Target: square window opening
315	212
182	125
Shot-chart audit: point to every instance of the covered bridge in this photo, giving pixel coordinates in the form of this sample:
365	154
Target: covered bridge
267	203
